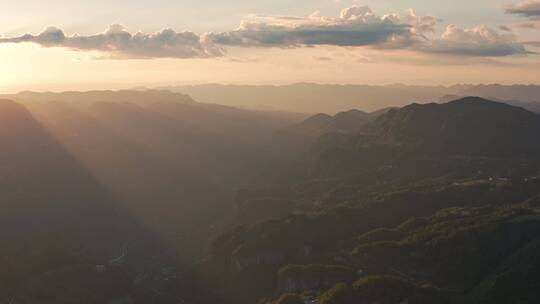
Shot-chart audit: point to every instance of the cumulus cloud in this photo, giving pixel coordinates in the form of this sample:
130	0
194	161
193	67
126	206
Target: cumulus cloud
527	8
356	26
360	26
420	24
117	42
478	41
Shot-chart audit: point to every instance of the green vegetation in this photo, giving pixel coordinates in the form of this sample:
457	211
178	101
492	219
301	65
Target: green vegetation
425	204
382	289
290	299
339	294
415	205
311	271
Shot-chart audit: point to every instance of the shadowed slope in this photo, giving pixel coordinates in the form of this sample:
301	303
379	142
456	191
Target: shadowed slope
57	221
42	185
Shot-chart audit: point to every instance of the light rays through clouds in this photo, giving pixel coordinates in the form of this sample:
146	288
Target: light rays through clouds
356	26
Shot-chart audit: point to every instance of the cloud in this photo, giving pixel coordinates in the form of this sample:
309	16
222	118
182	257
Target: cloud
480	41
530	25
118	43
420	24
527	8
356	26
322	58
359	26
533	43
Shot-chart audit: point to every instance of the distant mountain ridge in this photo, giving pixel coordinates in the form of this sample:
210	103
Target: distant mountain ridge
121	96
350	121
331	99
527	105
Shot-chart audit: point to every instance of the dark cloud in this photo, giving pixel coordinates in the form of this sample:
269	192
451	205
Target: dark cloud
527	8
117	42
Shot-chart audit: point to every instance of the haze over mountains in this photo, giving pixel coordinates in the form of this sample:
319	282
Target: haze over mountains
330	99
270	152
307	98
153	196
91	175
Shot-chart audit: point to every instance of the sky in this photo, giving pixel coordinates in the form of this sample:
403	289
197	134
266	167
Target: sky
98	44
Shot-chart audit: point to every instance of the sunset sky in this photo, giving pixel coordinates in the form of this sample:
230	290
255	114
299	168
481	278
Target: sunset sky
99	44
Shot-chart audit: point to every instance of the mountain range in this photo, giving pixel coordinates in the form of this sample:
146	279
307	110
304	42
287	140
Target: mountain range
154	197
331	99
433	203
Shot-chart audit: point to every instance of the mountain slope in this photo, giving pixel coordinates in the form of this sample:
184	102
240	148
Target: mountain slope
421	204
41	182
472	126
135	182
56	220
